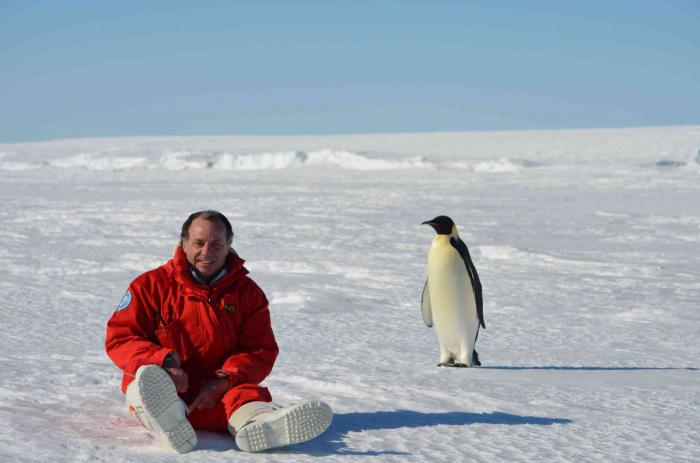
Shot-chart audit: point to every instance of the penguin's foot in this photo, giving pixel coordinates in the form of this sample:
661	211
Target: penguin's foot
449	363
475	359
461	365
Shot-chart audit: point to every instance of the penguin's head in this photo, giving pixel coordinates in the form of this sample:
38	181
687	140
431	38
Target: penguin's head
442	224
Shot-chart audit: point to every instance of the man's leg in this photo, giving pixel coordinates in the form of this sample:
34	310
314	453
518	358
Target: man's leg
152	398
216	419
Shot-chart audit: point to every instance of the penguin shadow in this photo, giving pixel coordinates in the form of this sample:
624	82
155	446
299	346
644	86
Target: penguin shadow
331	441
584	368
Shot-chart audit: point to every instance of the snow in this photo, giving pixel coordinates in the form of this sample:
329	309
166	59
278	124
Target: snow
586	241
112	159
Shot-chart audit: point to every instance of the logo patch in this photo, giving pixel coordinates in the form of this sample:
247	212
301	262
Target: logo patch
124	303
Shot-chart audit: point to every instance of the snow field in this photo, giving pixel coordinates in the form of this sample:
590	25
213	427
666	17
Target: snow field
586	247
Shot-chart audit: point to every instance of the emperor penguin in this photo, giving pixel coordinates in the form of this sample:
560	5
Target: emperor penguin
452	299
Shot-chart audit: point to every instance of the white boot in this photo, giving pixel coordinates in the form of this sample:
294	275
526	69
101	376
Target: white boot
259	426
158	408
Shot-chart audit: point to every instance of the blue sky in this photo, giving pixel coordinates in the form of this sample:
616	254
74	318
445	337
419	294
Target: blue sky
96	68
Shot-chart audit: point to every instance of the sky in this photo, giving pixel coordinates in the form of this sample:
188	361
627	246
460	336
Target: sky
130	68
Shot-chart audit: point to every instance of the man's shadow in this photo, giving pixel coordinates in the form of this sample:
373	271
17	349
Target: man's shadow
331	441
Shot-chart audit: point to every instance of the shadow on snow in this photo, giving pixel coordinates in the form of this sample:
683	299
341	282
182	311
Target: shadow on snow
331	442
582	368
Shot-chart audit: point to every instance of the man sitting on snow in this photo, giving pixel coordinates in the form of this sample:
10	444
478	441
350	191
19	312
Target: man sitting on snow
194	340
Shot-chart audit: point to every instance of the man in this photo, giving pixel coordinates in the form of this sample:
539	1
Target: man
194	340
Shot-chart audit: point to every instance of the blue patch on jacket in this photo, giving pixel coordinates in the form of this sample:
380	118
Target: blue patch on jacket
124	303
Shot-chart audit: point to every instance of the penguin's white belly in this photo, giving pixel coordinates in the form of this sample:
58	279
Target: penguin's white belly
453	305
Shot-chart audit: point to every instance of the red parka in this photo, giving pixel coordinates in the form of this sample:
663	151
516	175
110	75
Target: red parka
222	329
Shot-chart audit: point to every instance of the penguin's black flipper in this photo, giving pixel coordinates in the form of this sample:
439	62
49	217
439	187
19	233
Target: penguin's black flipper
425	307
477	293
461	248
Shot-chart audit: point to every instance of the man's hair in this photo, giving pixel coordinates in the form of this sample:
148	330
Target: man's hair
211	216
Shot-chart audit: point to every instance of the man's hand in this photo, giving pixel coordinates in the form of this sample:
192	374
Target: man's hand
172	364
211	394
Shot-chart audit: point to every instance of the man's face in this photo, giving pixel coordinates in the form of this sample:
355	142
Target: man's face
206	248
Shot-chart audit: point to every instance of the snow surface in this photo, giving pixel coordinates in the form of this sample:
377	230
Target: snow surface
587	243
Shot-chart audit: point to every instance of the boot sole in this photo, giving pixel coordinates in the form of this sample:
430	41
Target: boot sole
163	409
300	423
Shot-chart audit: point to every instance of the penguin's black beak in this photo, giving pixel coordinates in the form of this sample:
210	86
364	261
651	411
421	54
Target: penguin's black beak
431	223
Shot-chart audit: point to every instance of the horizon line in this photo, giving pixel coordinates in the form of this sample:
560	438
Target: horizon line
344	134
